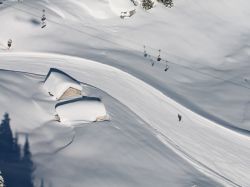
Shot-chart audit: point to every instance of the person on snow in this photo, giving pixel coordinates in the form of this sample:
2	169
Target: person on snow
179	117
9	43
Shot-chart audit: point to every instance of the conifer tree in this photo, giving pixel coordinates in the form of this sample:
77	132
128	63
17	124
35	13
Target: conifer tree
16	171
167	3
6	137
147	4
28	165
1	180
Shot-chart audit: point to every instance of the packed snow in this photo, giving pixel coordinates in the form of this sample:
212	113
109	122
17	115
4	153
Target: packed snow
85	110
204	44
120	152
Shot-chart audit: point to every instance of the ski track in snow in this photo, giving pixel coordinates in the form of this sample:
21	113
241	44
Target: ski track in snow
189	148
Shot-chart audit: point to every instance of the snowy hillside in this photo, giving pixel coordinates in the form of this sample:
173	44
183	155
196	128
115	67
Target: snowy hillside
203	75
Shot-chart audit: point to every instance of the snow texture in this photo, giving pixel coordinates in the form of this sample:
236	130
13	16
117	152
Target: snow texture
205	44
85	110
57	82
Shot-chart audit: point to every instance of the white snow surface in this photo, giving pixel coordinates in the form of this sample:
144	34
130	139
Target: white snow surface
120	152
58	82
211	148
83	110
208	82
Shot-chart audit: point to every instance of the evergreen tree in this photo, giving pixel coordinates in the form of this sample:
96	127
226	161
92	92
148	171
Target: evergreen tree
1	180
42	183
16	149
167	3
147	4
6	138
17	171
28	165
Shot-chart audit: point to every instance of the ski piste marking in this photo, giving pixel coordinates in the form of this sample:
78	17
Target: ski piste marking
63	58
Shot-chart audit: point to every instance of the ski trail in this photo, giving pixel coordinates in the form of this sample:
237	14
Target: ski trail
221	152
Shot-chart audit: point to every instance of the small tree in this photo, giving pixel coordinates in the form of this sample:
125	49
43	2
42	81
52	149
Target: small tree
147	4
167	3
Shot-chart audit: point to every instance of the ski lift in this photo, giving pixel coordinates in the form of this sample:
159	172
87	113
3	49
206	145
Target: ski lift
9	43
152	62
145	53
43	25
159	56
122	15
43	18
167	66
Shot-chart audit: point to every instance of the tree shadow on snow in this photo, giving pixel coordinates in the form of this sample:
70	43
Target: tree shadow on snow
16	163
35	22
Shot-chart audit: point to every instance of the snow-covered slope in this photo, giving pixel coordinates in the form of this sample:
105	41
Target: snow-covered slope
122	152
208	146
206	44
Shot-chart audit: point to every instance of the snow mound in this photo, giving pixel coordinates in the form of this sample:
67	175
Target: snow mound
60	85
84	110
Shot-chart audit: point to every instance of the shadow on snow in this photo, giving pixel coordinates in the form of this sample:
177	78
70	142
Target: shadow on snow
16	165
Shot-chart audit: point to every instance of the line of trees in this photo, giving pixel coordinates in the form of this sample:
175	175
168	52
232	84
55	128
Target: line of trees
148	4
16	163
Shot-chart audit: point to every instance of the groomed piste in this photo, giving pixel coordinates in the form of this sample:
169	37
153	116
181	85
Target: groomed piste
186	126
196	139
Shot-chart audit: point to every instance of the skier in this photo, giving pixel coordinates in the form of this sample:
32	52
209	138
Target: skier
179	117
166	68
9	43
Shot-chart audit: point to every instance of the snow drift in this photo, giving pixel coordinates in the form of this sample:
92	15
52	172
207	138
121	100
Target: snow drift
60	85
84	110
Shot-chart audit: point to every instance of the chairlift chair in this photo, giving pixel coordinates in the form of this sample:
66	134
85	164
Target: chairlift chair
167	67
145	52
159	56
43	18
43	25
